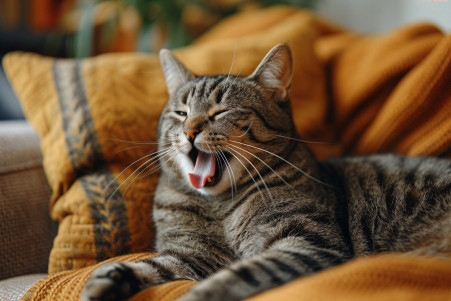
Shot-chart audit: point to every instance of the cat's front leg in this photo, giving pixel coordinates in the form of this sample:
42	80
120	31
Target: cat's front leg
286	260
119	280
239	281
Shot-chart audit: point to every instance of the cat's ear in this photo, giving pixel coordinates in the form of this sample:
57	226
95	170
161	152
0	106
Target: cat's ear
175	73
275	72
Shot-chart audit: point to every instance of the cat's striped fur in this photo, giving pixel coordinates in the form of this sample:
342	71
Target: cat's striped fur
271	213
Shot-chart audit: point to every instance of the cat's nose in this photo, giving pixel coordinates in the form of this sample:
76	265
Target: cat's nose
191	134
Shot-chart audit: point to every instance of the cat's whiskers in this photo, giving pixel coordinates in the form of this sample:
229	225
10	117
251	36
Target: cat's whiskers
152	171
155	155
171	154
223	160
232	151
131	164
158	167
230	173
175	162
210	150
258	173
233	61
247	131
129	148
217	154
286	161
258	158
139	141
301	140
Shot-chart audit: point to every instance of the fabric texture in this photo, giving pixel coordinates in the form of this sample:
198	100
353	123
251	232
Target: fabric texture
24	203
13	289
362	94
67	285
387	277
86	115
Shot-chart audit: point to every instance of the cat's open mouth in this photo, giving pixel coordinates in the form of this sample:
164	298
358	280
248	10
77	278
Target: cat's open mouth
207	172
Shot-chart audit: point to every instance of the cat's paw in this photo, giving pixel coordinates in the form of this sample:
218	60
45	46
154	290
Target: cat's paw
113	282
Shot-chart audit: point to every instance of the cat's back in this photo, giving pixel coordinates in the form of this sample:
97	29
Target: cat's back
394	203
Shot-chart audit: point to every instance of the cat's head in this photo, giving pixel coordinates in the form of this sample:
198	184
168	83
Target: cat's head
217	131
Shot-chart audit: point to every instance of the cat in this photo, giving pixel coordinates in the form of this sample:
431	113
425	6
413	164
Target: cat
243	206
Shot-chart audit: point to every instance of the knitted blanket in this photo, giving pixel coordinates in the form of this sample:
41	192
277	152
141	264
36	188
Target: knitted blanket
389	277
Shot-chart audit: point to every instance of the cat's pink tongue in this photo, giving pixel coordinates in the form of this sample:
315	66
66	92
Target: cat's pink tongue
204	169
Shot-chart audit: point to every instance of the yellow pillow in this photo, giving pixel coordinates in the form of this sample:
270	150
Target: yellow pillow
93	117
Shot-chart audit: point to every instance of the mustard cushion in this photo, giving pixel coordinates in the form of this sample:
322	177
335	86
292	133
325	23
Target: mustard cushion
86	112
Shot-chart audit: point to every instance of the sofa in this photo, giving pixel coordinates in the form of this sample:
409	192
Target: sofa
26	229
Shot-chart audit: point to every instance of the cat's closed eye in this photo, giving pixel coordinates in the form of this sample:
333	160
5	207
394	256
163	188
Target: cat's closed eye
218	115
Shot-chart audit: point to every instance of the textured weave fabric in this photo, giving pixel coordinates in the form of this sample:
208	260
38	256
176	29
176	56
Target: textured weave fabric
390	277
26	230
13	289
365	94
67	285
80	115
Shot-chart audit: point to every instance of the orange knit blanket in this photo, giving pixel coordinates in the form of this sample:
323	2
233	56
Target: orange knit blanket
390	277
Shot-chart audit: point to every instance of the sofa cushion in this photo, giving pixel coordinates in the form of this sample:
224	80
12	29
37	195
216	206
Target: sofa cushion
88	116
13	289
26	229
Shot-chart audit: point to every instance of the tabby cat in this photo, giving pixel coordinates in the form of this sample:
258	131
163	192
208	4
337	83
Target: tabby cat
242	205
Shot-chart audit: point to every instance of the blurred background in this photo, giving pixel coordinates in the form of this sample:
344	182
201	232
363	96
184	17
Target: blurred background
83	28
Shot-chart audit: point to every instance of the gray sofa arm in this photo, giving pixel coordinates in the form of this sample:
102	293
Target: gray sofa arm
26	230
